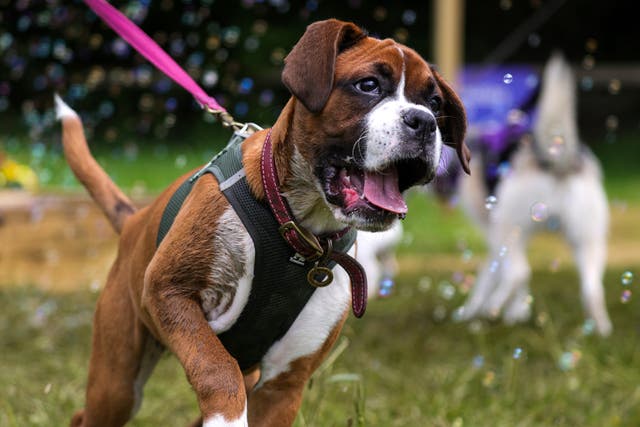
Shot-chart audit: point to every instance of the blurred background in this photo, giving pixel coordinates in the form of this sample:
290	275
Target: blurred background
407	363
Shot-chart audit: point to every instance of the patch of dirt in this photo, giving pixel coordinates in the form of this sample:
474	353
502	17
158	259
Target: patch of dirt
57	243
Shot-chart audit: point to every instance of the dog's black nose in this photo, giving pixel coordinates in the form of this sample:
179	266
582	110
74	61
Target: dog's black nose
420	123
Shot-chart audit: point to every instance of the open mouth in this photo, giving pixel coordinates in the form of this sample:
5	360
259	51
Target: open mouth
372	193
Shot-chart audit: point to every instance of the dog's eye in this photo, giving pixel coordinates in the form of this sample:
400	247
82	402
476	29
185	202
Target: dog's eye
434	104
369	85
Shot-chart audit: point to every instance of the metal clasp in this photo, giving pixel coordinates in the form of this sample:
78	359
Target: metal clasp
321	270
311	240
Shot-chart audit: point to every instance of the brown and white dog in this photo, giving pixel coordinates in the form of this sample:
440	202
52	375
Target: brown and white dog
367	120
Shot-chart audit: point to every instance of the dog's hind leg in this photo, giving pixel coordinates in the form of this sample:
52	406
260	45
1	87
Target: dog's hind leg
123	355
588	238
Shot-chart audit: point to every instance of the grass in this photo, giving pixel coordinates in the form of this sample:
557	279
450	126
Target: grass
406	363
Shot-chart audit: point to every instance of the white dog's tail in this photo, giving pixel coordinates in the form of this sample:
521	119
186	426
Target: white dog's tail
556	133
116	206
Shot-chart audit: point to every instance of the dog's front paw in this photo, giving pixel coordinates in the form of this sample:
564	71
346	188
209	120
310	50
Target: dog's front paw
219	420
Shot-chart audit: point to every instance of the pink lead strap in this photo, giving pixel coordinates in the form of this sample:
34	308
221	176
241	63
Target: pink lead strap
148	48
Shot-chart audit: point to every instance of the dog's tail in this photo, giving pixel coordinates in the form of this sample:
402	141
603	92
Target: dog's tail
116	206
556	139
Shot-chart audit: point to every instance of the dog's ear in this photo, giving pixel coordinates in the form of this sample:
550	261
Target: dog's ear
453	121
309	67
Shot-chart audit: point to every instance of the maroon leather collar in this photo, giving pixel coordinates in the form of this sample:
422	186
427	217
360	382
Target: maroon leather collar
313	248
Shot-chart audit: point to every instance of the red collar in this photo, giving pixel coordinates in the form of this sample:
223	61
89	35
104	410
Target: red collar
314	248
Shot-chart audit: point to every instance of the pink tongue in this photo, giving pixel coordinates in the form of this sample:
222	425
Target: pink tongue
381	190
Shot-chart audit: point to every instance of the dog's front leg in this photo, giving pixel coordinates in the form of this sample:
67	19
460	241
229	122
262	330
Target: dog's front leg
214	375
276	399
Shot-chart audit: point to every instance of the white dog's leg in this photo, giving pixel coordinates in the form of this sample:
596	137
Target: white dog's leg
514	277
518	308
480	292
587	235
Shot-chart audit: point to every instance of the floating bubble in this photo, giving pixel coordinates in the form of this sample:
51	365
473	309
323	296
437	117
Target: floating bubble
241	109
409	17
120	48
517	353
627	278
106	109
181	161
195	60
588	62
507	78
386	287
176	47
380	13
504	168
591	45
569	359
245	85
277	56
424	284
143	75
532	80
439	313
467	254
614	86
490	202
6	40
505	4
266	98
557	145
493	267
539	212
534	40
588	327
612	123
251	44
626	296
231	35
488	379
458	314
446	290
503	251
586	83
476	326
478	361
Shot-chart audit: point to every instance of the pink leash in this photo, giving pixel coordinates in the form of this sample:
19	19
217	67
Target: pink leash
148	48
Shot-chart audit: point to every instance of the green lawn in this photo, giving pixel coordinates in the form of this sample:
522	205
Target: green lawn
405	363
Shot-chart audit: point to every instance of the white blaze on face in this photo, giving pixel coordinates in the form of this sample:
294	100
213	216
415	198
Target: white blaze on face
385	127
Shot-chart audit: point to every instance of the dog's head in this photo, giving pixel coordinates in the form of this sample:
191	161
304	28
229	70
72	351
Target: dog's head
376	116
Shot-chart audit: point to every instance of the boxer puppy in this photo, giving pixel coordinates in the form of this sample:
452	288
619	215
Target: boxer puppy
366	121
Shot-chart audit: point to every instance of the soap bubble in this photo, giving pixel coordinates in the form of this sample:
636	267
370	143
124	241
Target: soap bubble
490	202
626	296
386	287
507	78
539	212
517	353
446	290
627	278
478	361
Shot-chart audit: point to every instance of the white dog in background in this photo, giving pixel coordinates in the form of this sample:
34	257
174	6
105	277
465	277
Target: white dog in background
552	178
376	253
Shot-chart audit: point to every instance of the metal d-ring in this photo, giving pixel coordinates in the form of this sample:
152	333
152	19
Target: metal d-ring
321	270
